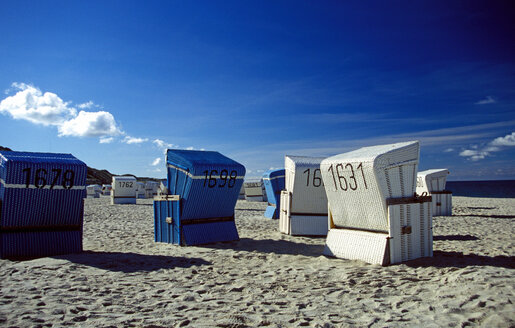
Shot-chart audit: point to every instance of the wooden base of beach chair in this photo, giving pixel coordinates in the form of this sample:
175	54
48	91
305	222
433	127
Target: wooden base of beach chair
410	236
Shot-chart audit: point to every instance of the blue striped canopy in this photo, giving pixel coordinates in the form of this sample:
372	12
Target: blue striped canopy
207	182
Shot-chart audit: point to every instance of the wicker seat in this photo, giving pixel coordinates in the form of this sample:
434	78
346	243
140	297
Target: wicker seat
374	215
303	202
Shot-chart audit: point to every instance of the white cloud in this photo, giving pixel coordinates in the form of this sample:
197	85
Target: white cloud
90	124
190	148
161	144
85	105
449	150
30	104
156	162
487	100
132	140
508	140
106	140
496	145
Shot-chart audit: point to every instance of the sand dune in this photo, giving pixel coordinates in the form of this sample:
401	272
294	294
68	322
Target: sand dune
266	279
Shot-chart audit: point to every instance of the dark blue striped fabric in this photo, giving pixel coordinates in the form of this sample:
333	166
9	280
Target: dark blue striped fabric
202	180
274	183
40	191
163	231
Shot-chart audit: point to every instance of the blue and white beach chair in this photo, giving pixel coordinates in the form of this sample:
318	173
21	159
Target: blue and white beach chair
41	204
203	189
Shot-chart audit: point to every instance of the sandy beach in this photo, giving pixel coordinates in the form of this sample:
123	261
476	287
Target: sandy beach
125	279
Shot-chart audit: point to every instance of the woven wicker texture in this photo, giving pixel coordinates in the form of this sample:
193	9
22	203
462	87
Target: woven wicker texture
304	181
357	245
39	193
273	181
207	182
358	183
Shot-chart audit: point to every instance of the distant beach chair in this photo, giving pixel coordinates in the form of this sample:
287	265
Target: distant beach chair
374	215
242	192
303	209
106	190
432	183
151	188
253	190
124	190
93	191
273	181
203	189
140	190
41	204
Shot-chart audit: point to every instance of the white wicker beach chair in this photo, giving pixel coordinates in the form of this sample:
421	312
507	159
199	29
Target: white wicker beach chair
374	215
304	202
151	188
123	190
253	190
93	191
432	182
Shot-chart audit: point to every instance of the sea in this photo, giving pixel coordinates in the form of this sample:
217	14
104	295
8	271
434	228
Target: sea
490	188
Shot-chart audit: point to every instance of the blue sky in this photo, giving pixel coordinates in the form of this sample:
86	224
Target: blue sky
117	82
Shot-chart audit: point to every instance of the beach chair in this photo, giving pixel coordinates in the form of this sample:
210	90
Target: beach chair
273	181
242	192
140	190
92	191
41	204
203	189
263	190
374	215
151	188
432	183
106	189
303	204
123	190
253	190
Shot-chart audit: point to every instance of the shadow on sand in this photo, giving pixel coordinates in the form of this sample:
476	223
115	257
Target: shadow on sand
485	216
455	237
131	262
270	246
443	259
